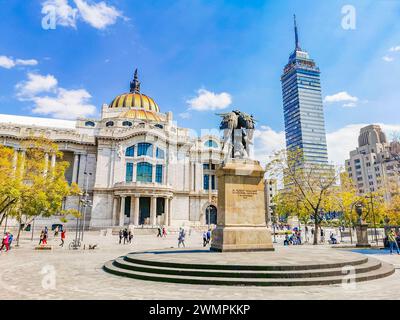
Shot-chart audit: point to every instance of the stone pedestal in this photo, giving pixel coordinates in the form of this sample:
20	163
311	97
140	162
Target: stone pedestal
241	224
362	235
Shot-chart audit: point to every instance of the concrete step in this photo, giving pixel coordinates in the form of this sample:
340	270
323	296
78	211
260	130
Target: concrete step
384	271
123	263
133	258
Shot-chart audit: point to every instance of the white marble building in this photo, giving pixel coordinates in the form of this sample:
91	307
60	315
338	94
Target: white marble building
138	166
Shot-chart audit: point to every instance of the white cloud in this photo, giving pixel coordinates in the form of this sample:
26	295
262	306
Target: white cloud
267	142
29	62
207	100
65	14
395	49
36	84
63	103
342	96
68	104
388	58
98	15
8	62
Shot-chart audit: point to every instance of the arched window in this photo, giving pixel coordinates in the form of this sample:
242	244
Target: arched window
130	151
160	126
90	124
129	172
145	149
211	144
144	172
110	124
127	124
160	154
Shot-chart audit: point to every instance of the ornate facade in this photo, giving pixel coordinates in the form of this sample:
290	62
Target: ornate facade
137	166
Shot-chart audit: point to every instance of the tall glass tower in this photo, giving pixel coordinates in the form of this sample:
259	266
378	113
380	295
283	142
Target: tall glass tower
302	104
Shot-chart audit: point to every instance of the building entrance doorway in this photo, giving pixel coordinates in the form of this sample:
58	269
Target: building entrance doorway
211	215
144	211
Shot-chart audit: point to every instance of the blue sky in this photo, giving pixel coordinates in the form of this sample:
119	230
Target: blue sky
180	47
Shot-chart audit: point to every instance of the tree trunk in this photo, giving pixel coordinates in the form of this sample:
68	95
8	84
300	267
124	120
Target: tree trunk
19	231
315	232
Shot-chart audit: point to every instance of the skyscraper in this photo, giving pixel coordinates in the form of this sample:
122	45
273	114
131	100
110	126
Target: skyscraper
302	104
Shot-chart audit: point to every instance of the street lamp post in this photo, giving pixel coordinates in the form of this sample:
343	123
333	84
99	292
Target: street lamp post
274	221
362	228
85	201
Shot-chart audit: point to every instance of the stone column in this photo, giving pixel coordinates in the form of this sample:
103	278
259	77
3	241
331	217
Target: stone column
153	173
53	160
22	162
153	211
15	160
122	212
166	212
134	169
136	211
46	164
132	210
170	212
115	212
75	169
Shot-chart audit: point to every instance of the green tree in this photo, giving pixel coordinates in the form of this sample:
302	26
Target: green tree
30	186
309	188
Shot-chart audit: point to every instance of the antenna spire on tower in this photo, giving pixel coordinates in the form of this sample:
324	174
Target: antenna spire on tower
296	33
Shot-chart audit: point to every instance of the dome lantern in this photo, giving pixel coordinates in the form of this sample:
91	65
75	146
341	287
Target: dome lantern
135	99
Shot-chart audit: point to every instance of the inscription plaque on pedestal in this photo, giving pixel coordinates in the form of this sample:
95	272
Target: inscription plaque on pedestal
241	224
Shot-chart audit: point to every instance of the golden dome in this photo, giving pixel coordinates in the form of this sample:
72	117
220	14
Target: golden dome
141	115
135	99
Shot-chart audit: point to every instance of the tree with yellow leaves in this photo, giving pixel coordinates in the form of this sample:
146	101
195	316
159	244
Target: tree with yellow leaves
30	186
309	188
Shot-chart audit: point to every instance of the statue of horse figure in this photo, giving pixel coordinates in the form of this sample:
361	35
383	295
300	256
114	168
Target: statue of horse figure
237	120
247	122
228	124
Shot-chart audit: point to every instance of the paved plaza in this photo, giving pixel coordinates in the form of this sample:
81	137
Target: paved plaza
66	274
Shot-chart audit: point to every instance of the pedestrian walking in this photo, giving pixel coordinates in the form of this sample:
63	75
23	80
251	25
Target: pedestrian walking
44	241
322	235
130	236
46	231
205	238
120	236
125	234
159	233
392	241
62	238
208	236
56	230
41	237
164	232
181	238
10	240
4	243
